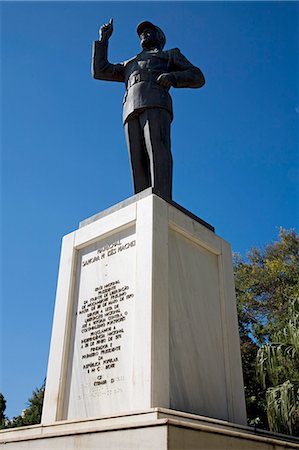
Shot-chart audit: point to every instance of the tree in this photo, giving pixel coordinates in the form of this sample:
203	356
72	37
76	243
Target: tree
266	283
32	414
278	363
2	409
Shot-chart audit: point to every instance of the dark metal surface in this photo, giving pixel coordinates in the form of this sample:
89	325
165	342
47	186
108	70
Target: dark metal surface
147	106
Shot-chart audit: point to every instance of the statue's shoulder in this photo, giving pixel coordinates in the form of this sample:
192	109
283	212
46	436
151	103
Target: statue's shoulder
173	52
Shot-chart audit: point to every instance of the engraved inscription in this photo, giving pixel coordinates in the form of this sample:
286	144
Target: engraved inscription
108	250
104	319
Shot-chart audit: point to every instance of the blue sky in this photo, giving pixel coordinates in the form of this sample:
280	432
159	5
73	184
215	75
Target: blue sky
64	157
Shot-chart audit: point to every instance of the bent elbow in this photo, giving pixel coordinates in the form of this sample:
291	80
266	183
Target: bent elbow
200	79
95	74
100	71
95	69
202	82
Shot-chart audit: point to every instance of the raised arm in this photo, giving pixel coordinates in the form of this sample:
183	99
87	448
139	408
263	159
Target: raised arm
102	69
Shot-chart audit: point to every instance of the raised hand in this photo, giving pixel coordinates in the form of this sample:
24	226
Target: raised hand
106	30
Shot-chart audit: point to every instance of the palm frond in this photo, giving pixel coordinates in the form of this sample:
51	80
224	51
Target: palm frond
282	406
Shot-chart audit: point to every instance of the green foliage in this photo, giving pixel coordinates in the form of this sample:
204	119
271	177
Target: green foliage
283	407
267	288
278	364
32	414
2	409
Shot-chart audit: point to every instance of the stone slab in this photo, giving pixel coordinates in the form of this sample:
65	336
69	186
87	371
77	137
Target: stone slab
145	317
153	429
138	197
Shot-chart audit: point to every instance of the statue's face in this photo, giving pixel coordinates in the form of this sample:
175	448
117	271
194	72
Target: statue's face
149	38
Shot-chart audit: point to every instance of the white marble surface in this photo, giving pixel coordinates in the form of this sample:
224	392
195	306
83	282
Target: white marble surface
178	342
61	350
197	367
153	429
102	344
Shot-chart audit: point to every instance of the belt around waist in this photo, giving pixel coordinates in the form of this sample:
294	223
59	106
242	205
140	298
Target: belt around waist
140	77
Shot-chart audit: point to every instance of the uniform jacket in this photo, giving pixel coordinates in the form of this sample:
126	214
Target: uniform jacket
140	74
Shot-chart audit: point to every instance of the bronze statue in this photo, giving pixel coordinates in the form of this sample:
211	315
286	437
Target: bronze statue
147	112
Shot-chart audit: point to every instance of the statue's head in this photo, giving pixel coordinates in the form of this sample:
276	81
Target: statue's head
150	36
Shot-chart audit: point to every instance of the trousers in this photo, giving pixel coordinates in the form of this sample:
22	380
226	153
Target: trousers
148	140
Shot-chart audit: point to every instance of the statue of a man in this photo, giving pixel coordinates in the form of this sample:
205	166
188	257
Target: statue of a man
147	112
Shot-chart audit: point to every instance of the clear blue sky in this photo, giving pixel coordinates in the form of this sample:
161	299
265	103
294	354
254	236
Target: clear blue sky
64	157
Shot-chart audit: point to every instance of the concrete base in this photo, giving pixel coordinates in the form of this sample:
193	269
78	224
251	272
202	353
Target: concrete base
153	429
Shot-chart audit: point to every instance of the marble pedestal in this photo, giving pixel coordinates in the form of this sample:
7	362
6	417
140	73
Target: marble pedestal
145	317
154	429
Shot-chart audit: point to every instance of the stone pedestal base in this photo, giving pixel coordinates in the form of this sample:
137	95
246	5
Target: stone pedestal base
154	429
145	317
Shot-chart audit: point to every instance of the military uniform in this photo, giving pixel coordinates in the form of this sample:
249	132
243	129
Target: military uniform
147	108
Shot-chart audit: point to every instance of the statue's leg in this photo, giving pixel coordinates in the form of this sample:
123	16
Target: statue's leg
138	155
156	125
